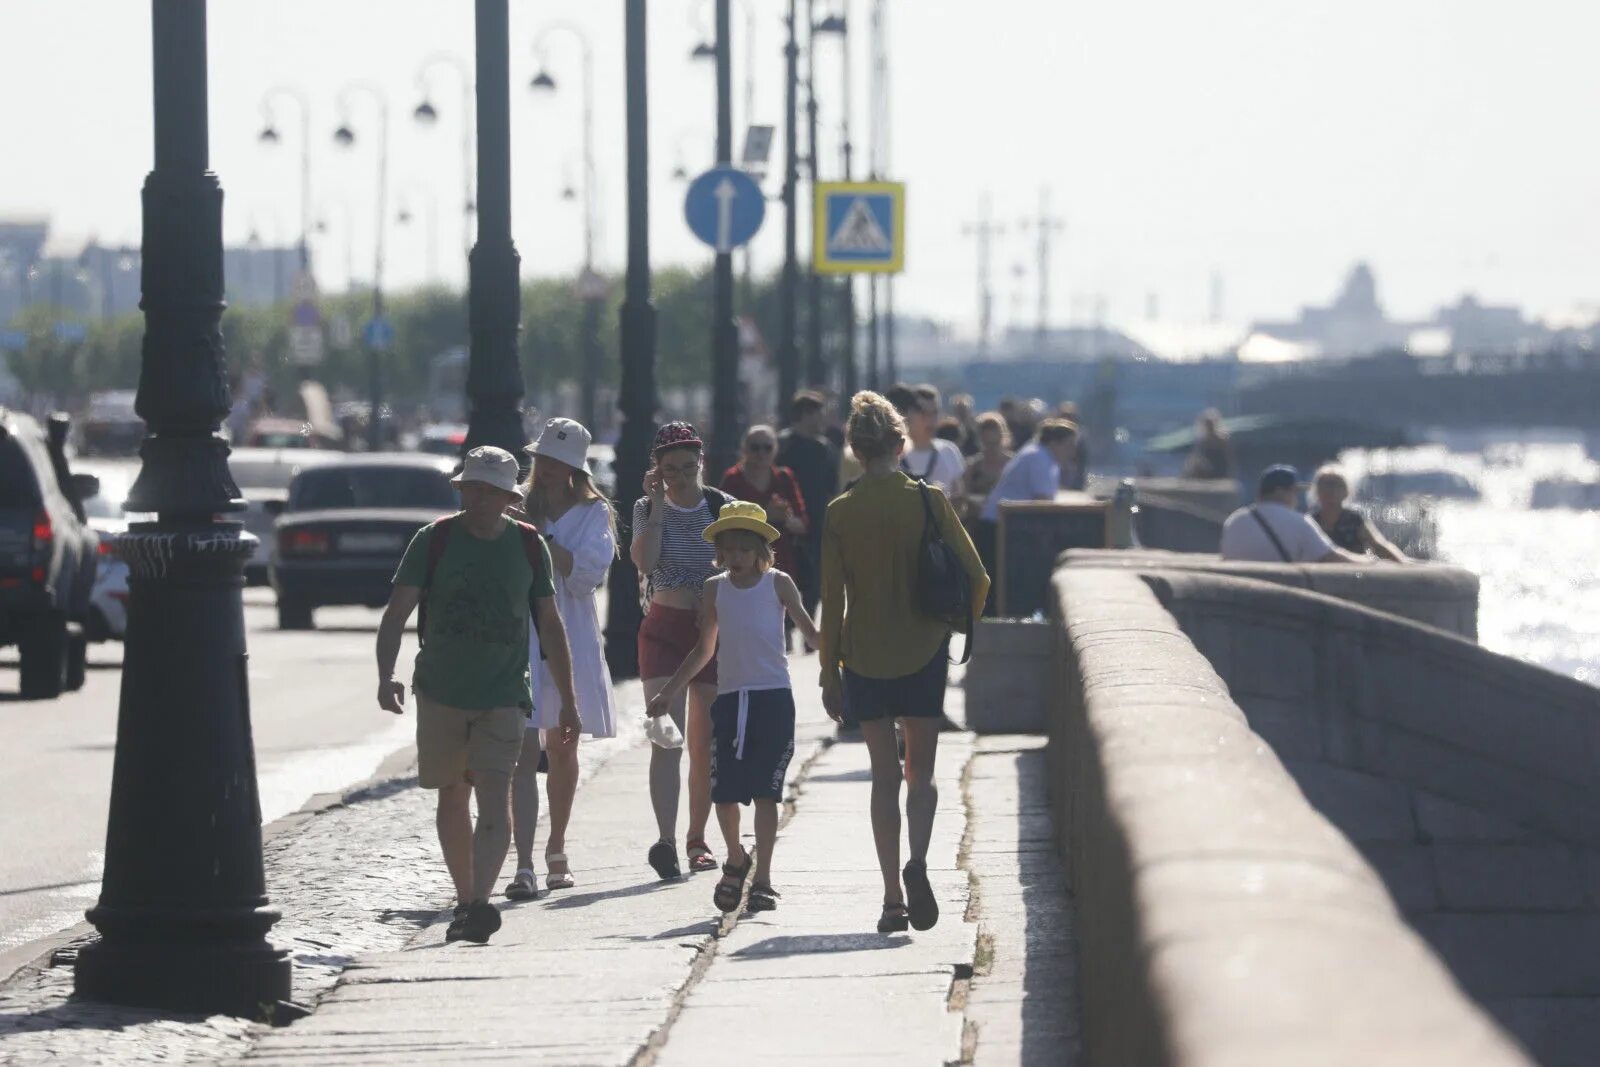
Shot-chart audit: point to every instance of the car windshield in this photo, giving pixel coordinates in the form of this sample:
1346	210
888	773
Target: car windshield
18	486
372	487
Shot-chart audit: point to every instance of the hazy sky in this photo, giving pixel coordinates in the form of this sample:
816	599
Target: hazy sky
1449	142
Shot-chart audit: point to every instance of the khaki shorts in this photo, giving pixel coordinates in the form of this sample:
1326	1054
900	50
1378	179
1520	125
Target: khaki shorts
453	743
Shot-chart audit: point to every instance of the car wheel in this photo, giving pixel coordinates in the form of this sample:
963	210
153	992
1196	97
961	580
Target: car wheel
293	615
43	650
77	661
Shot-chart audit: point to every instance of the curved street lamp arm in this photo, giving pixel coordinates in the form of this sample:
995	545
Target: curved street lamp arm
586	48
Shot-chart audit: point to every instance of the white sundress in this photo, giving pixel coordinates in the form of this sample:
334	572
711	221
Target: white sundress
585	531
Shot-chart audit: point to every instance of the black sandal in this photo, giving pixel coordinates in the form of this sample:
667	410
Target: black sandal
726	895
664	859
894	919
763	897
919	895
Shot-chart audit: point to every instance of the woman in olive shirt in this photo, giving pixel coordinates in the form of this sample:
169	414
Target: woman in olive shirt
883	656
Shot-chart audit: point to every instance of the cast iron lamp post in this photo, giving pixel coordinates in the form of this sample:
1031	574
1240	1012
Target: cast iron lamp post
269	136
637	400
591	288
427	115
345	136
494	298
839	25
183	914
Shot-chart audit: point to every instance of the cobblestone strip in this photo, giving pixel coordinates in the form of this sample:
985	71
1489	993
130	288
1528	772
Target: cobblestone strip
1021	1004
353	877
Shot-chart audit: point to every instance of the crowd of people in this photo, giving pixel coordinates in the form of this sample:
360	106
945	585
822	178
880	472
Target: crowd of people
510	671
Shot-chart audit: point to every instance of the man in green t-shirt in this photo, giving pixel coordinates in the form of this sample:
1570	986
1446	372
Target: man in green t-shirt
480	571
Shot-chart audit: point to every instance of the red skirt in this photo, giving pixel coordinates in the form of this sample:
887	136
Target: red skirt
666	638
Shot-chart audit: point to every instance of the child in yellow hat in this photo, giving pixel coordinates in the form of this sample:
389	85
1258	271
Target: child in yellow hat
752	720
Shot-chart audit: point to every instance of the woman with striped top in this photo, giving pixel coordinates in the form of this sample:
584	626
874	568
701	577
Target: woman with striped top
670	549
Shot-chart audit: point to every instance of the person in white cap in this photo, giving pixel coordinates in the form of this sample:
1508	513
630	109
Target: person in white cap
478	576
580	532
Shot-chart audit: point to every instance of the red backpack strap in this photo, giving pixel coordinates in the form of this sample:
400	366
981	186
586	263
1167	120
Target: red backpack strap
438	541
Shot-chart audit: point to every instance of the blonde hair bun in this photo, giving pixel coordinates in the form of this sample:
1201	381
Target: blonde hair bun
875	428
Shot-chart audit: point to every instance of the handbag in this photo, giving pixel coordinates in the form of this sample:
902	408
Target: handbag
943	589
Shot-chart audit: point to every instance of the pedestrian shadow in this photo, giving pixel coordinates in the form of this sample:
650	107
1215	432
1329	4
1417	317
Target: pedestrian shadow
568	899
863	775
702	928
821	944
418	917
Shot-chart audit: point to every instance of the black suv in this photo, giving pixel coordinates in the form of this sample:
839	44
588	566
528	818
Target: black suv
48	555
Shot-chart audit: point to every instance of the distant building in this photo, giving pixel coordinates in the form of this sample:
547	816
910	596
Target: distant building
1354	324
1475	327
101	281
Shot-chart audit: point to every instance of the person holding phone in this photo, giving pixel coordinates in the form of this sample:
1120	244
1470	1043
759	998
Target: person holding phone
669	548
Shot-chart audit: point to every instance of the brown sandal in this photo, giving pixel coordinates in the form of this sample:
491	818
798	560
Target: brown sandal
701	858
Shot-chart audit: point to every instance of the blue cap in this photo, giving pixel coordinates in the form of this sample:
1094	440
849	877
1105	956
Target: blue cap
1275	479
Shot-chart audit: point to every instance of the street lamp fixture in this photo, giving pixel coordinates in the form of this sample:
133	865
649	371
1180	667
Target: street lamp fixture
345	136
271	137
268	135
426	113
704	50
834	24
542	81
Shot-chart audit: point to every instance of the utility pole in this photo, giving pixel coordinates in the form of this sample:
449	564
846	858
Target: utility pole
1045	227
983	231
724	332
876	121
848	292
636	400
788	284
183	912
885	132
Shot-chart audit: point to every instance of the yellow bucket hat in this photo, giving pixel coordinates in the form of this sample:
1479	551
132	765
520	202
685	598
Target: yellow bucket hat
742	515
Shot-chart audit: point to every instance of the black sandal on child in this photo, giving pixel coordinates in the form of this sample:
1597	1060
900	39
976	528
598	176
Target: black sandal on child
763	897
458	923
731	888
894	919
919	895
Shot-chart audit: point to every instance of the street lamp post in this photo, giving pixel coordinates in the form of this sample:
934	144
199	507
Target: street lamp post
708	50
345	135
590	288
494	301
839	25
637	398
406	214
269	135
182	914
789	342
724	331
427	115
816	369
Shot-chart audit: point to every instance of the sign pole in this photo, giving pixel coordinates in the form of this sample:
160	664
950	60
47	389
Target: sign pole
725	336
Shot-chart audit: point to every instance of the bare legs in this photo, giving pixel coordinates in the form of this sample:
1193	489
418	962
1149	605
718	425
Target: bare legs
766	821
525	800
562	785
879	735
922	795
665	776
474	856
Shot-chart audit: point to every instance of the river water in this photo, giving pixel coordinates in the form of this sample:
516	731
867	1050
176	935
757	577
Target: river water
1539	571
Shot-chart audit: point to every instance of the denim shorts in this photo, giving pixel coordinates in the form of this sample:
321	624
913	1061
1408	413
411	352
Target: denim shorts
918	695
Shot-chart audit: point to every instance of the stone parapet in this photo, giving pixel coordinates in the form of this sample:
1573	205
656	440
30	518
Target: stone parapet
1223	918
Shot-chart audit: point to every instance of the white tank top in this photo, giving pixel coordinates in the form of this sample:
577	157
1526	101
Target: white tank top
750	652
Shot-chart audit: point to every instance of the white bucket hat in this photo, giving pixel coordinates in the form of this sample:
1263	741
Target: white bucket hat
566	441
490	466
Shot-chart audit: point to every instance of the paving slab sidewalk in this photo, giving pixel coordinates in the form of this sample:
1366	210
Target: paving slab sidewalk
627	970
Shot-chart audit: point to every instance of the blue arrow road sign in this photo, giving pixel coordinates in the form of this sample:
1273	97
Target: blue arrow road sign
13	340
378	334
725	207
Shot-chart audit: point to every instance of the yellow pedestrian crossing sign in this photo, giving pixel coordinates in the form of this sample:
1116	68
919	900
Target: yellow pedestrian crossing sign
859	228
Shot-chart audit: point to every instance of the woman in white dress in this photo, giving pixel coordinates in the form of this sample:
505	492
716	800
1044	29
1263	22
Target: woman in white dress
581	532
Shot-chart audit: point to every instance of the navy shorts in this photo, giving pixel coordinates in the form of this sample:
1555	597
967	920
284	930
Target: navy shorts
756	772
919	695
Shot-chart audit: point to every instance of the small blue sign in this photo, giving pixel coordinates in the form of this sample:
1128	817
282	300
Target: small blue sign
378	334
13	340
70	333
725	208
